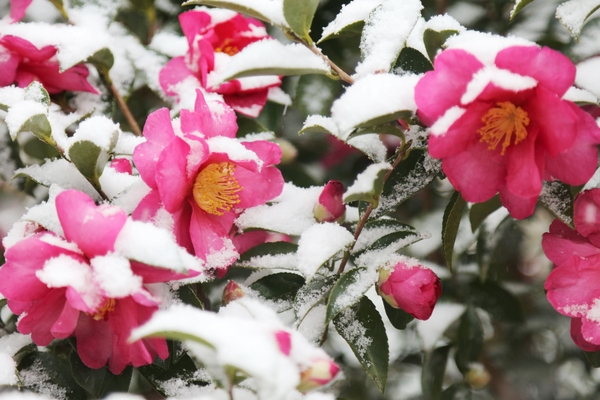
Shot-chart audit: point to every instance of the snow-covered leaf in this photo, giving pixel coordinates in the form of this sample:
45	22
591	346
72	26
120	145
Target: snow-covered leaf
299	15
556	197
434	40
385	129
378	228
412	60
386	30
311	294
450	225
573	14
40	127
271	255
90	159
29	115
519	5
318	244
362	327
350	20
349	289
374	100
319	124
280	288
103	60
270	11
368	184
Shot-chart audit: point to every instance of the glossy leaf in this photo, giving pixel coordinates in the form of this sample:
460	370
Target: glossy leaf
574	13
398	317
40	127
51	371
434	40
414	61
350	30
362	328
98	382
103	60
89	159
433	373
470	340
348	290
450	225
299	15
519	5
386	129
280	288
311	294
270	248
480	211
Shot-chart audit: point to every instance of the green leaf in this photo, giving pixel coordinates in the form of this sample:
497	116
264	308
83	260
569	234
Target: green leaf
40	150
311	294
50	370
280	288
593	358
413	174
247	126
556	197
491	297
412	60
470	340
237	6
457	391
574	13
450	225
372	193
433	373
61	8
381	129
434	40
362	328
315	94
348	291
103	60
398	317
98	382
519	5
299	15
350	30
40	127
480	211
251	258
89	159
188	296
318	125
36	92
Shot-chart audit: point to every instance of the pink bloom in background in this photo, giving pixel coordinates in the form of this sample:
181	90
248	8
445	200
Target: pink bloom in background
202	177
503	127
330	207
410	286
214	36
22	63
18	8
66	287
573	287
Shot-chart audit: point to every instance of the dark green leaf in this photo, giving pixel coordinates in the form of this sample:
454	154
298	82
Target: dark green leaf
434	40
433	373
593	358
500	303
313	87
556	197
317	128
351	30
188	296
414	61
280	288
311	294
40	150
348	291
519	5
450	225
382	119
414	173
398	317
98	382
247	126
49	369
381	129
299	15
470	340
40	127
361	326
268	249
398	240
103	60
457	391
89	159
480	211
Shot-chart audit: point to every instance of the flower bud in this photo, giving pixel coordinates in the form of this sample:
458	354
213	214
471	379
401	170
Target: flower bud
231	292
320	373
288	151
410	286
330	206
122	165
284	341
477	377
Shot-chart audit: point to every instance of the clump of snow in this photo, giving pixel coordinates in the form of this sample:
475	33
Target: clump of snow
484	46
351	13
99	130
169	44
573	14
354	331
580	96
234	150
320	122
371	145
586	75
318	244
271	261
19	113
498	77
113	183
451	115
38	378
9	346
313	323
114	276
386	30
364	182
276	95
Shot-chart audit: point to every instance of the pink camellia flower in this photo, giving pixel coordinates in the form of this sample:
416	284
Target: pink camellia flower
572	287
202	177
500	123
82	285
410	286
214	36
22	63
330	207
320	373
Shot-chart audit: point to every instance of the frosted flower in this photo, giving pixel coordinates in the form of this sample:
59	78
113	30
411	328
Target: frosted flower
330	207
410	286
22	63
214	36
572	287
504	127
67	286
203	178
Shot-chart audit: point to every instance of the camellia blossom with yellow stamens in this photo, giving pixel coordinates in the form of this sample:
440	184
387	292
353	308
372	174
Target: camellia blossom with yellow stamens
500	123
202	177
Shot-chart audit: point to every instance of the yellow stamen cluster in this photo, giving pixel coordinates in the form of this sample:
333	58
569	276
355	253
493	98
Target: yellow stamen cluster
108	306
227	48
215	190
502	122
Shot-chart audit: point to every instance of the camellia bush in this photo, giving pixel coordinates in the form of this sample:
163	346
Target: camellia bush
300	199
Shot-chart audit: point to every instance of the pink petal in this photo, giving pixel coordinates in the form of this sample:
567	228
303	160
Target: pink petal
524	167
590	331
194	23
171	174
558	123
248	240
586	216
94	229
54	81
26	49
17	9
447	82
258	188
210	234
478	174
181	227
284	341
207	122
41	316
576	165
550	68
153	275
562	242
248	104
577	336
148	208
269	152
174	72
121	165
519	207
94	341
66	323
8	67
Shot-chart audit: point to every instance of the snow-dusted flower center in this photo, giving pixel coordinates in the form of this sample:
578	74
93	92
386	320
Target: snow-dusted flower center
502	122
108	306
228	48
215	190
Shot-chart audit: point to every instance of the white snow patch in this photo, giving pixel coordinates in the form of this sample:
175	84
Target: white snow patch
351	13
114	276
498	77
318	244
441	126
484	46
365	180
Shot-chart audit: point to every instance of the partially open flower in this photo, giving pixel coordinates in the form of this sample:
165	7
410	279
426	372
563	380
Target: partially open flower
410	286
320	373
232	291
330	206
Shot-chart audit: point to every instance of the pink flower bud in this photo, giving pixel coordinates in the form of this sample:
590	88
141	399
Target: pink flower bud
284	341
330	207
411	287
320	373
231	292
122	165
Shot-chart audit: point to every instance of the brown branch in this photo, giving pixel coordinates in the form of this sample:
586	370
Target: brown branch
125	110
370	208
340	72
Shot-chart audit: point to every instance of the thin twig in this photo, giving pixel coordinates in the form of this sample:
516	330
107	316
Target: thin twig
341	73
125	110
365	217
